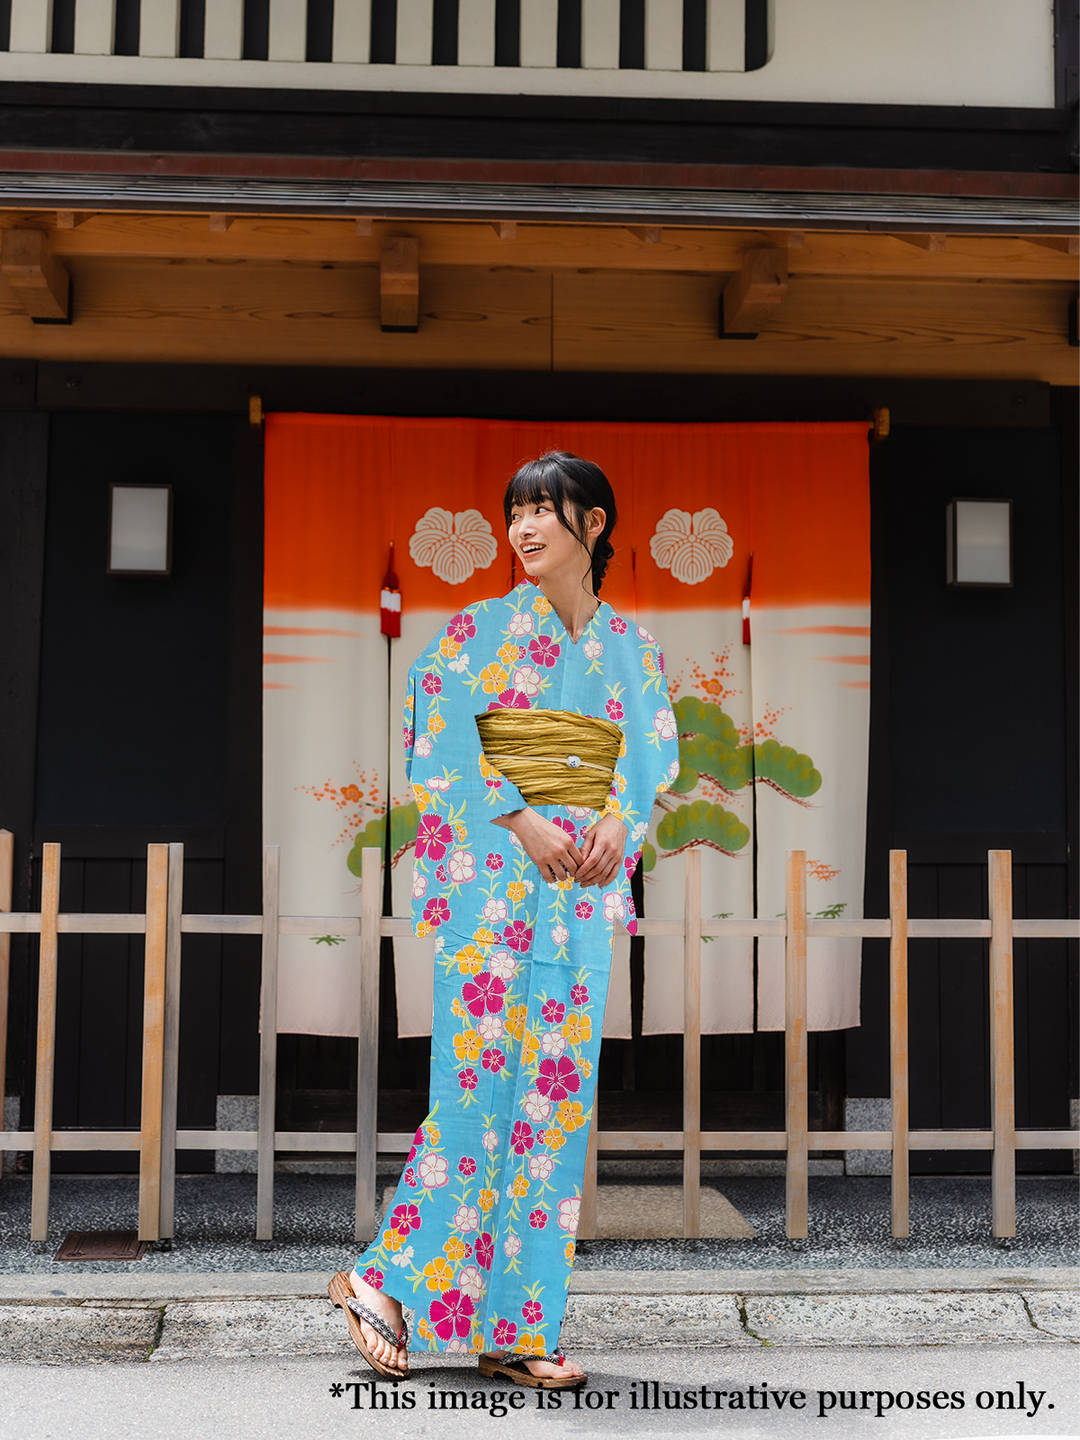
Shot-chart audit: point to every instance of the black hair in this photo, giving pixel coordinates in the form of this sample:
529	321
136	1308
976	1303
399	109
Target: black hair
569	482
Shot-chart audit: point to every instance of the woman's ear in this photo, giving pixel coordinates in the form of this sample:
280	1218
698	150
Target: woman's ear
595	521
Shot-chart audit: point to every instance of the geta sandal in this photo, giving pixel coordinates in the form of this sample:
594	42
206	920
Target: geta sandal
341	1293
515	1369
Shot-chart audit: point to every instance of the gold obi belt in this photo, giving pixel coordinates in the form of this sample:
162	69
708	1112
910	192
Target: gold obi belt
554	757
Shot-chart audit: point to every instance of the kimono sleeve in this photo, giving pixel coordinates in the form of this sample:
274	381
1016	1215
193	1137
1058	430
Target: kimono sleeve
650	758
408	724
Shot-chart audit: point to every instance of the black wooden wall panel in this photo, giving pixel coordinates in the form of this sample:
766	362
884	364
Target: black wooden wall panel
24	450
150	730
971	743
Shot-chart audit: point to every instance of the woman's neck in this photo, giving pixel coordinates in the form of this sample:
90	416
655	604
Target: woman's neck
572	599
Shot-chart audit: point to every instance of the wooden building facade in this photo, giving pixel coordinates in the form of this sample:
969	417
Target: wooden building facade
725	210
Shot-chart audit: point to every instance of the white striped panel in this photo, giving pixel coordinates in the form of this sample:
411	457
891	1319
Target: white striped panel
288	30
159	28
725	35
95	25
223	37
663	34
599	34
31	26
414	27
476	32
352	31
539	33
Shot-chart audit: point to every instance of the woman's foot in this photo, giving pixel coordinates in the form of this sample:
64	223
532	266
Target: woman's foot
388	1310
549	1370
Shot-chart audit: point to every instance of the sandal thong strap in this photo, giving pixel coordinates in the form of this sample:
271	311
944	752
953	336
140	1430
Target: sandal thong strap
399	1342
518	1362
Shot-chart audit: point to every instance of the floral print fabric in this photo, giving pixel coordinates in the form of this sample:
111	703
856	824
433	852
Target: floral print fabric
479	1236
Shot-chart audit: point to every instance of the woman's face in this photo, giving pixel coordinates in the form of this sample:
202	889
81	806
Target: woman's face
544	545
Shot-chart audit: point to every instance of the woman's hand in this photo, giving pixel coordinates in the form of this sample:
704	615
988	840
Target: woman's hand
549	848
602	849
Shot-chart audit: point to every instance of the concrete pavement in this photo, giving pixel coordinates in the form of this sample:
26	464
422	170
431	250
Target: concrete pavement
925	1393
129	1317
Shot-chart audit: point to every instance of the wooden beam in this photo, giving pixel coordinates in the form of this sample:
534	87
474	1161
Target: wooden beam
1002	1036
898	1041
795	1072
1064	244
72	219
7	872
38	279
934	242
46	1044
367	1045
692	1047
751	296
647	234
268	1018
219	224
153	1056
399	284
558	247
505	229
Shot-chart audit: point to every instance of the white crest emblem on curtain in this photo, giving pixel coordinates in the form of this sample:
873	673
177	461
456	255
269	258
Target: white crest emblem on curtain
691	546
453	544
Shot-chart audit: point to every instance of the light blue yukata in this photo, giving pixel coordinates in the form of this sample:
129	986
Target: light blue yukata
479	1237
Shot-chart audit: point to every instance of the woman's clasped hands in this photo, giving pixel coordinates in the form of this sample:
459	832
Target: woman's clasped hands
557	856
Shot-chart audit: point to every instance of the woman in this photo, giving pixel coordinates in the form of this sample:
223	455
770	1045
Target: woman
532	817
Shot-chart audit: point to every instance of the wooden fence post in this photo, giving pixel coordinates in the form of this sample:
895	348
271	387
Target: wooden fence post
157	914
7	870
367	1049
170	1073
1002	1097
692	1047
898	1039
795	1046
46	1044
264	1201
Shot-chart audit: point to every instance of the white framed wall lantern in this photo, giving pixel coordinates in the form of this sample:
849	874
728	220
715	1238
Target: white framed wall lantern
978	544
140	529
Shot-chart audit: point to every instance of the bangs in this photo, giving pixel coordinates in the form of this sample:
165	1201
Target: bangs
538	480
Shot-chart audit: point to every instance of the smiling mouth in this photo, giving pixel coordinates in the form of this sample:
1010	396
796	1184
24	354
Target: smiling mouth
531	549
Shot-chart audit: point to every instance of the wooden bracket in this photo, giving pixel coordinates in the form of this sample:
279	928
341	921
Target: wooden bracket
505	229
220	223
38	279
751	296
796	240
647	234
1064	244
924	242
399	284
364	225
72	219
255	411
879	424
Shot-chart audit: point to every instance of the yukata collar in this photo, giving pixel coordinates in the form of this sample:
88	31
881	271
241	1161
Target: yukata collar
524	586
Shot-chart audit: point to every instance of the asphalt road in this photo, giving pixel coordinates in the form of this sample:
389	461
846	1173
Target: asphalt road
307	1399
